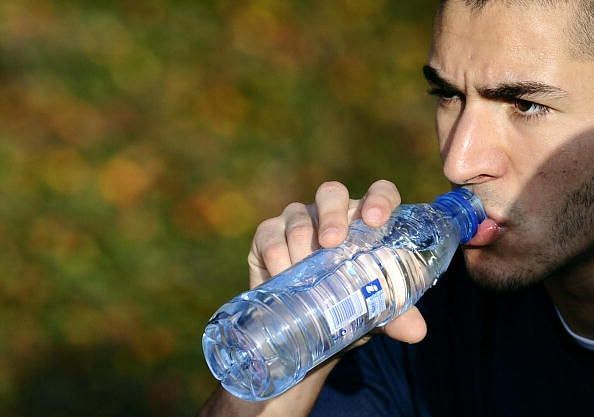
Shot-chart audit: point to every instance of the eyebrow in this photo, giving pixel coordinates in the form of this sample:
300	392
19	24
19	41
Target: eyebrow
505	91
433	78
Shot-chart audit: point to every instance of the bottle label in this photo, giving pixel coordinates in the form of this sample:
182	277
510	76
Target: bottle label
374	298
369	299
345	311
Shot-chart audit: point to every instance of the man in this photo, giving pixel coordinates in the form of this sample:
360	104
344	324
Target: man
515	122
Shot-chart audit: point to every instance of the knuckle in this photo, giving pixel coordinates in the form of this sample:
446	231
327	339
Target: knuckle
332	187
266	232
267	226
273	250
380	200
295	207
389	185
334	217
387	190
300	234
254	260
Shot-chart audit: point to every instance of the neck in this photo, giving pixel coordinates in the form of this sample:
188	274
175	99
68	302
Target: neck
572	291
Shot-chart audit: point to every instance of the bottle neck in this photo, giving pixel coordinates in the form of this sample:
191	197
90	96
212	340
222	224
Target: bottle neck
464	208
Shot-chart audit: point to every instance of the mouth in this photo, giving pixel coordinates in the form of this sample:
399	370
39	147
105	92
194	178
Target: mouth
489	231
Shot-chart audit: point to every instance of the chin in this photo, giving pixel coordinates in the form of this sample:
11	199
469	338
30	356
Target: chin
494	272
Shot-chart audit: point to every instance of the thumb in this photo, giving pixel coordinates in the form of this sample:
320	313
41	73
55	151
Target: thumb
409	327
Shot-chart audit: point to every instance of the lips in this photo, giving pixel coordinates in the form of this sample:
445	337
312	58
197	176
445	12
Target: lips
488	232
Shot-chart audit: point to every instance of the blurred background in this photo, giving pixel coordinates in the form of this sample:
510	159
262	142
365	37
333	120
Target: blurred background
141	142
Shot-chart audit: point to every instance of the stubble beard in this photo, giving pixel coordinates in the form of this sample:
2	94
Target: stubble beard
568	245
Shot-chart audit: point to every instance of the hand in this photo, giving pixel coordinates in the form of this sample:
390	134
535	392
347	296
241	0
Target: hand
280	242
300	229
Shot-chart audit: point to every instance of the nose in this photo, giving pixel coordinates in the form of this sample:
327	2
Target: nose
474	148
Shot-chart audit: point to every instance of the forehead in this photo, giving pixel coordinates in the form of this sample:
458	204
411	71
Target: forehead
501	41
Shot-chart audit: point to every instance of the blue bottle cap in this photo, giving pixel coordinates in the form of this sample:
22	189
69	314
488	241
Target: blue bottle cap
464	206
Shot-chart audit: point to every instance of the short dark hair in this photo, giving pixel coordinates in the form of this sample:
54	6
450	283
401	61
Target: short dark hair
581	31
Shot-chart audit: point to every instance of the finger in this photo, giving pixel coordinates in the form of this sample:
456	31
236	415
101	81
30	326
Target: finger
332	202
379	203
258	274
409	327
354	211
269	248
299	231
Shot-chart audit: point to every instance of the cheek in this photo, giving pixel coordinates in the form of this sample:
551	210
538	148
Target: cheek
553	185
551	164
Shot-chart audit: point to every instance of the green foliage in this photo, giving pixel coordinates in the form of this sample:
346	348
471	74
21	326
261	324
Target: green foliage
140	145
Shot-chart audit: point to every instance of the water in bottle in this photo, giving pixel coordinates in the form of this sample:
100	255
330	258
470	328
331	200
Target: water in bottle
264	341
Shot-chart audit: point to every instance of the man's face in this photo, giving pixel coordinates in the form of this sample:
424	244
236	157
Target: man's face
515	121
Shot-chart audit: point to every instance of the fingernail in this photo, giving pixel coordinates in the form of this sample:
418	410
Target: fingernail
373	215
330	232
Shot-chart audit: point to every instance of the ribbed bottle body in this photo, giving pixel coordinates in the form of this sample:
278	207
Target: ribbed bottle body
265	340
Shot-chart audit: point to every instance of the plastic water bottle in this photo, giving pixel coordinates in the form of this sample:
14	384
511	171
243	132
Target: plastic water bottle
264	341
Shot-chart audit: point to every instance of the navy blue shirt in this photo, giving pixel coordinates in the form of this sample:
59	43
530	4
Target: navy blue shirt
485	354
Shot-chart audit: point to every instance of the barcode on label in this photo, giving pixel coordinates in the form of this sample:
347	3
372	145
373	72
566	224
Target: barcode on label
345	311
